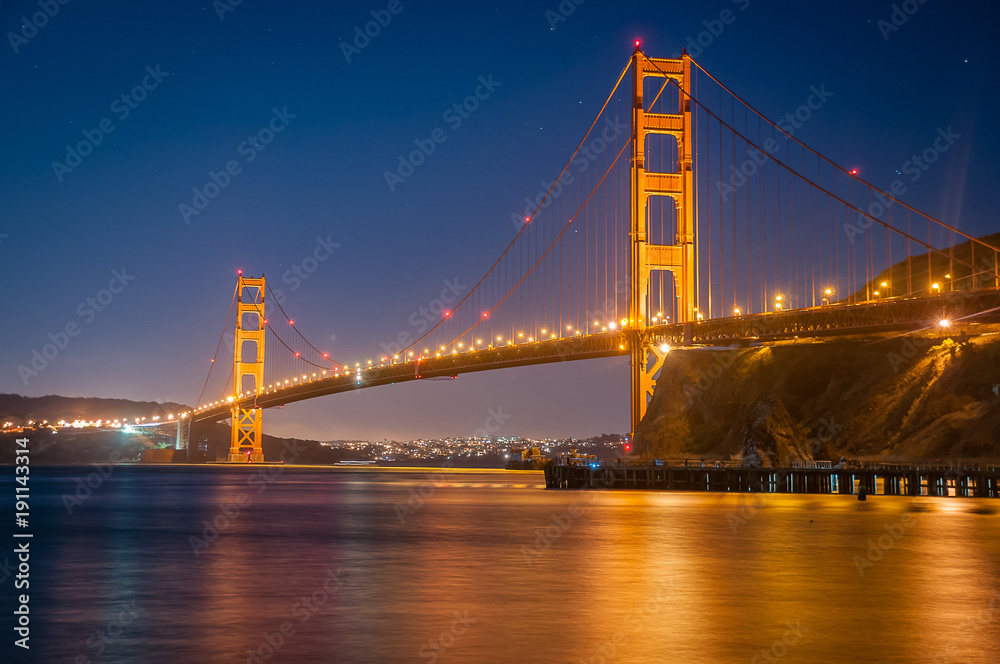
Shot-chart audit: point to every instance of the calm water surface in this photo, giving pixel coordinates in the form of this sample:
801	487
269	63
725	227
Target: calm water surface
366	565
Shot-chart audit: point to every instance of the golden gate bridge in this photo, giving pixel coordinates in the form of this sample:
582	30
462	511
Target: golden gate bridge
708	224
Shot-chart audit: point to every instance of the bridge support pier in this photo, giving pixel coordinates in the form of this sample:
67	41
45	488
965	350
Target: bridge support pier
678	258
245	443
246	433
646	363
183	434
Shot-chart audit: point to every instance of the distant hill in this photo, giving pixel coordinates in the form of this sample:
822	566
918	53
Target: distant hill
949	268
18	408
209	440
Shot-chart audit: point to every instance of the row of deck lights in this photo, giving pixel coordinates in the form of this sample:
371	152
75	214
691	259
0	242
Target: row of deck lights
410	358
611	326
659	318
779	300
112	424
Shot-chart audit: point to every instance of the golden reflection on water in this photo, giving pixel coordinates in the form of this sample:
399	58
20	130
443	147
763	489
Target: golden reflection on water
489	567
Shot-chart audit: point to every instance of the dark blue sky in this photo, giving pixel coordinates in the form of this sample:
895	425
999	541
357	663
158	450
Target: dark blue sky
322	176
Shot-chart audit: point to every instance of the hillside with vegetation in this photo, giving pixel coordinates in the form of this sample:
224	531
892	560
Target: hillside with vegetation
965	266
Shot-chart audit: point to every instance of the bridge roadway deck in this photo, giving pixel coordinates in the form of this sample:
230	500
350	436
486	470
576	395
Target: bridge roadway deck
964	309
557	350
967	309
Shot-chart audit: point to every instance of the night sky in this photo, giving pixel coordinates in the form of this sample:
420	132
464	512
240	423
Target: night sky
211	81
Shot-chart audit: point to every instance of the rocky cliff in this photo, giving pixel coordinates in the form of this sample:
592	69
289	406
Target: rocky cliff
902	399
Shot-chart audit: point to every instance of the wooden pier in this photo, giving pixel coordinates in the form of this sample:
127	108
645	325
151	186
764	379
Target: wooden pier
888	481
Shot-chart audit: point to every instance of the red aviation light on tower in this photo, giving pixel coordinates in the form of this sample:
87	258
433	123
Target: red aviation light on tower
239	272
637	43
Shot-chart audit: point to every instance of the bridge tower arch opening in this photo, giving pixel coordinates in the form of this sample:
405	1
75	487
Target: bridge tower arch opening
248	368
645	258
